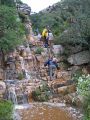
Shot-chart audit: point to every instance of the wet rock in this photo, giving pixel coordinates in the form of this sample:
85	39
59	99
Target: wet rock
79	58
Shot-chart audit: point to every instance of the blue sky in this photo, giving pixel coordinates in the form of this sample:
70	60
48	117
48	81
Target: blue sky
37	5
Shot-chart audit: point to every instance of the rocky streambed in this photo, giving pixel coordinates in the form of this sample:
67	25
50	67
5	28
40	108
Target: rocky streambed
48	111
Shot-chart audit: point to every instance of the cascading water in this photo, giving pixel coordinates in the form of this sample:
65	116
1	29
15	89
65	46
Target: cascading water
26	72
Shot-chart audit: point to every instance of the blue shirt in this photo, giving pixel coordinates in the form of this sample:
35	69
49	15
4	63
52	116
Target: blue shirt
50	62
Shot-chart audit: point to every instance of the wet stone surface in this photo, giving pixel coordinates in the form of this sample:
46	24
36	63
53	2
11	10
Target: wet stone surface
44	112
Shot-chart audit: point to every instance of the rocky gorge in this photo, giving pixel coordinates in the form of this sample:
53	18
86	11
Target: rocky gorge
25	81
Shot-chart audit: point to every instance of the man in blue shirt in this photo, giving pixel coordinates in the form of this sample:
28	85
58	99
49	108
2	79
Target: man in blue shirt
52	66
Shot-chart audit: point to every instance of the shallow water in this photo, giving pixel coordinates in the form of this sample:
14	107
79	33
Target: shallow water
44	112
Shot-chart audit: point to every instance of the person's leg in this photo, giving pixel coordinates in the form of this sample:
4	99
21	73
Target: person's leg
46	42
51	72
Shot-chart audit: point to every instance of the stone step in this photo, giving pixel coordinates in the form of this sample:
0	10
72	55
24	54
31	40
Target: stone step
60	82
64	83
66	89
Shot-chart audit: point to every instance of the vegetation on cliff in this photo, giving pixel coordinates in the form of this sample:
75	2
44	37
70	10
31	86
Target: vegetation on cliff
11	28
69	20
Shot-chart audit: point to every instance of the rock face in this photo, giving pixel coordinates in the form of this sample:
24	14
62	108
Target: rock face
58	49
74	49
1	74
79	58
2	89
24	8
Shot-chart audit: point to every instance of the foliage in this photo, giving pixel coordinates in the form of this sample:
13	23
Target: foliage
20	76
6	109
11	29
76	75
39	50
69	21
7	2
83	89
41	94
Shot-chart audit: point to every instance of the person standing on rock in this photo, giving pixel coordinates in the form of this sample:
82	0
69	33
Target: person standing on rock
45	36
51	38
52	66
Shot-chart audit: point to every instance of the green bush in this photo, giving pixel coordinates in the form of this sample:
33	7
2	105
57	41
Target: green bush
41	94
20	76
76	75
39	50
83	89
6	109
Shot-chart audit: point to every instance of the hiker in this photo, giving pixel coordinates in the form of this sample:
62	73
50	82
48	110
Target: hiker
45	36
52	66
39	37
51	38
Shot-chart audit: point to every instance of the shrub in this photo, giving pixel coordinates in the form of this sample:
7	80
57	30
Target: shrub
83	89
6	109
41	94
20	76
39	50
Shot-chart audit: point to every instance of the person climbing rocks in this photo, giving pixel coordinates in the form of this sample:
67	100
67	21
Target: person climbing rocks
51	38
52	67
45	36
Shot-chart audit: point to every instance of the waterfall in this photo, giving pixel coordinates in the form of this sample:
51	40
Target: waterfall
26	72
15	93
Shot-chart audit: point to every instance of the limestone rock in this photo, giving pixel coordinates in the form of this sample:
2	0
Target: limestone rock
73	99
62	90
74	49
24	8
64	74
79	58
1	74
66	89
58	49
2	87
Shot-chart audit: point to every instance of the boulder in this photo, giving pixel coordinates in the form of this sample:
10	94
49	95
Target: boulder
64	74
66	89
73	99
74	49
79	58
2	87
58	49
24	8
62	90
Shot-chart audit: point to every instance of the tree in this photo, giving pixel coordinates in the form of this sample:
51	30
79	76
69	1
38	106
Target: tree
69	20
7	2
10	28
